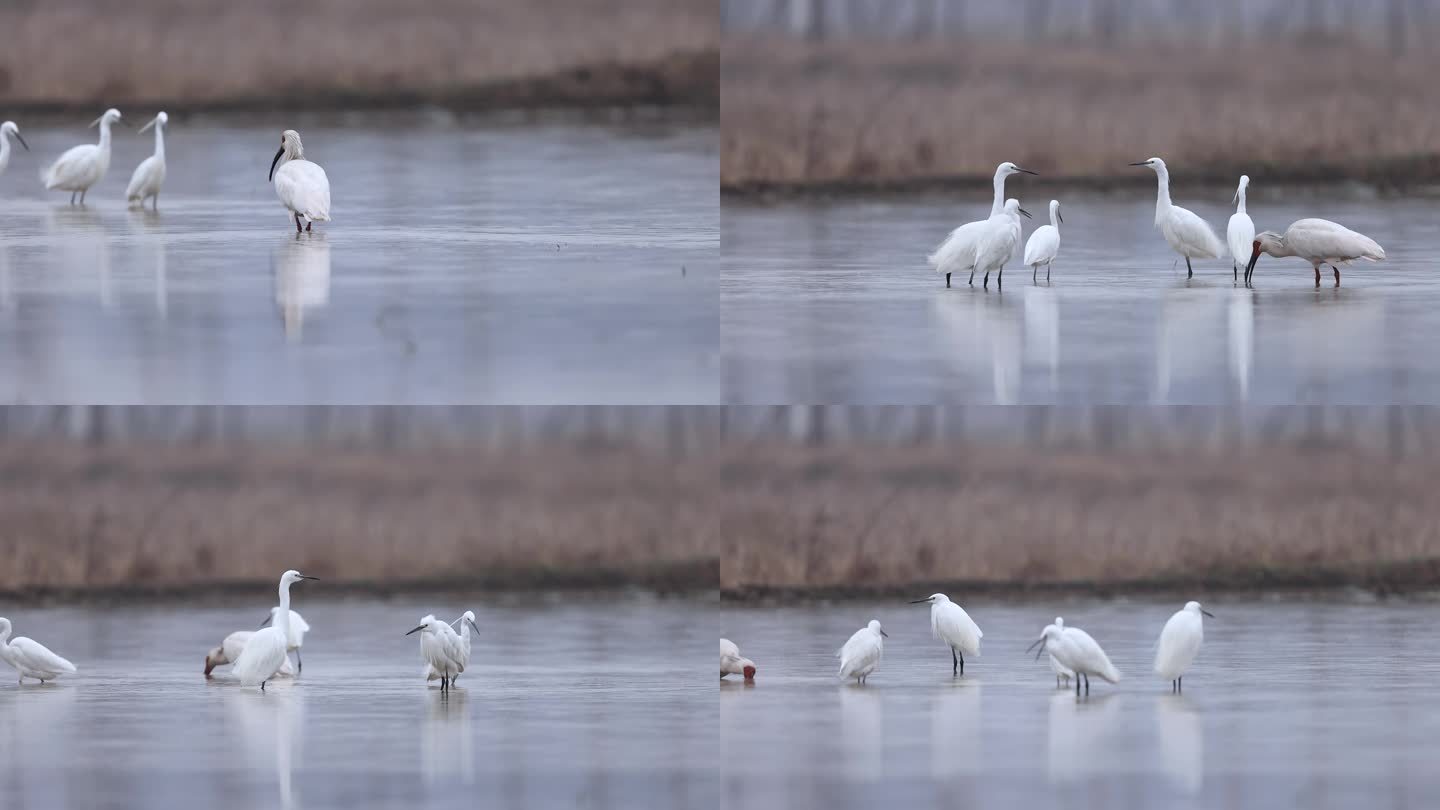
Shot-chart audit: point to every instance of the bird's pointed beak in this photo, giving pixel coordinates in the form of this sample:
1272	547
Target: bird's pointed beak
152	123
208	666
1254	257
1026	213
1060	217
22	140
317	579
473	626
885	634
1040	641
1026	171
1207	613
1141	163
416	630
266	623
926	600
278	153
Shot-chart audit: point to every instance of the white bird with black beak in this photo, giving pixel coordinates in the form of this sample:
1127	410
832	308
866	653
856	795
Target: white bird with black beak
440	648
951	624
1180	642
1318	241
1060	670
83	166
31	658
1077	652
999	241
150	174
957	253
265	653
6	130
1185	232
1240	233
466	622
1044	244
295	638
230	649
861	654
301	185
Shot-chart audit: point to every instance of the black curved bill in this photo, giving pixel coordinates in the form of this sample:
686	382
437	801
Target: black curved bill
1026	171
918	601
278	153
1207	613
22	141
416	630
1141	163
1026	213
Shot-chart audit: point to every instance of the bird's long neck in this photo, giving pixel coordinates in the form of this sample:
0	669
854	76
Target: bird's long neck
4	148
159	142
1240	205
999	204
1054	218
5	634
282	618
1162	194
104	135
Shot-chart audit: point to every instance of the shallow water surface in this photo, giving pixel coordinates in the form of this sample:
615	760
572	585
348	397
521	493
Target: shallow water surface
833	302
1313	704
584	701
497	263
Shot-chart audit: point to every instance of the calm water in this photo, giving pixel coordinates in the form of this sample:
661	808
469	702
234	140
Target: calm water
465	263
1319	704
835	303
587	702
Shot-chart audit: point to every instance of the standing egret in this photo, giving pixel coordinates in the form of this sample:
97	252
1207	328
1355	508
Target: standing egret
82	166
1188	234
264	654
466	621
1179	642
1060	670
301	185
6	130
1318	241
951	624
295	639
1240	233
732	664
148	176
998	242
861	654
31	658
957	253
1044	243
230	649
440	648
1078	652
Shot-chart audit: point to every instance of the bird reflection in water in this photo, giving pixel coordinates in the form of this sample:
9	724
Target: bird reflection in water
302	279
446	743
269	725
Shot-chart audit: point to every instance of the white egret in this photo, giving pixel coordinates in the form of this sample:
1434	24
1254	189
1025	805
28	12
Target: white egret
732	664
31	658
1060	670
1187	234
440	648
957	253
229	651
1240	233
951	624
82	166
999	241
1318	241
1044	243
466	621
301	185
148	176
264	654
1078	652
1179	642
6	130
861	654
295	638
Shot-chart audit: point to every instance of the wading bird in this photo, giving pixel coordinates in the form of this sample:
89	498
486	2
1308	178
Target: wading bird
1044	244
466	621
229	651
732	664
998	242
301	185
148	176
440	649
6	130
31	658
265	653
82	166
861	654
1240	233
1179	642
957	253
1077	652
1060	670
295	638
1318	241
951	624
1187	234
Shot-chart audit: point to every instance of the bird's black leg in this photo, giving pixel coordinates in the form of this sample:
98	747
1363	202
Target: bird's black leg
972	277
954	662
986	282
262	686
1077	684
1180	684
308	224
1317	275
962	663
1336	268
1087	684
1000	278
947	281
1035	272
1047	270
299	665
72	198
1189	271
1235	271
297	223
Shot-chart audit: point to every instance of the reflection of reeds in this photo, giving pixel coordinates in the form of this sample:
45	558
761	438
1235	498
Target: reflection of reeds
153	515
1020	516
210	52
885	112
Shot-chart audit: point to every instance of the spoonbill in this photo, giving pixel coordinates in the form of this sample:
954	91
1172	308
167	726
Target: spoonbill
148	176
440	648
957	253
1044	243
1240	233
861	654
1078	652
732	664
301	185
1179	642
466	621
82	166
6	130
1060	670
230	649
951	624
31	658
1318	241
1187	234
264	654
295	639
998	242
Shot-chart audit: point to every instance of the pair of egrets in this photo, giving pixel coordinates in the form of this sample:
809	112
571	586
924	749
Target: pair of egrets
81	167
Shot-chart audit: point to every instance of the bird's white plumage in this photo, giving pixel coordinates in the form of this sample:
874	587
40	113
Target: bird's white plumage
7	130
1240	233
1044	244
1185	232
302	186
81	167
999	240
731	662
1058	668
959	250
1320	241
298	628
440	649
265	652
31	658
1078	652
861	654
1179	642
461	647
229	651
951	624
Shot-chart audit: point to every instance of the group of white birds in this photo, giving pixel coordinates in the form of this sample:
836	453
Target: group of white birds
989	244
259	656
1074	654
302	186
